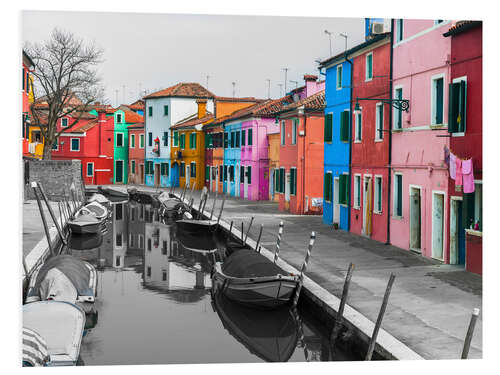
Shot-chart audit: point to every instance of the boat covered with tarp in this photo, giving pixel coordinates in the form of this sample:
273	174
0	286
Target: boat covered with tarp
204	227
84	223
272	335
198	242
35	351
112	191
250	278
96	197
172	208
61	325
142	196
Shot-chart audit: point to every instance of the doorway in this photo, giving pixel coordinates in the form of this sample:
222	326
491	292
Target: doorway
367	205
237	181
119	171
157	174
188	175
287	190
437	225
415	219
457	233
141	173
336	204
247	173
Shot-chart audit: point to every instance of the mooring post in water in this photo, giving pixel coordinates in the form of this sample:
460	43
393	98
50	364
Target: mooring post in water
74	199
25	266
300	331
54	219
192	190
248	230
213	207
470	332
221	208
257	245
183	193
42	214
231	229
60	214
204	204
304	268
381	313
343	300
278	242
191	205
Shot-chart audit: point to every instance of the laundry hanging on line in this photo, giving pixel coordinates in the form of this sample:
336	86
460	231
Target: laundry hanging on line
461	171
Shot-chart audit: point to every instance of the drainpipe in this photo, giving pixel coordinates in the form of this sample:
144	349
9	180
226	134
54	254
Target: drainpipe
304	165
350	149
388	241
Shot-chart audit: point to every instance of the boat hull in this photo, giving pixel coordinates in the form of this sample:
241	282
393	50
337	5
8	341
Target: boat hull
204	227
84	228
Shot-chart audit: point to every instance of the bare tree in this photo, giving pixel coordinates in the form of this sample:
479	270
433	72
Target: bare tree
65	82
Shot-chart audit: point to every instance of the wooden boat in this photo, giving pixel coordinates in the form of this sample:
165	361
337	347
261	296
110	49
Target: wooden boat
143	197
96	197
100	211
197	226
114	192
61	325
197	242
249	278
270	335
84	241
233	245
84	224
35	351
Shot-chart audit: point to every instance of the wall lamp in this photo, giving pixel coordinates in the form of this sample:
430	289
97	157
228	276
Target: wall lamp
401	104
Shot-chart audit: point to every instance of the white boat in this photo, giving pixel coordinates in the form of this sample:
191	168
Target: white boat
100	211
35	351
61	326
96	197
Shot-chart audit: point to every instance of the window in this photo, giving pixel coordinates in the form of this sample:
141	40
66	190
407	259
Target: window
24	79
141	141
117	260
119	211
193	169
399	30
398	195
478	205
165	138
231	173
75	144
149	244
377	205
358	126
182	141
149	271
344	126
328	187
119	139
243	135
164	169
457	106
357	191
119	118
55	146
328	127
149	167
339	77
249	175
64	122
207	173
282	180
182	170
225	173
369	67
242	174
192	141
437	97
343	188
282	132
131	240
295	125
379	122
132	167
150	111
141	241
237	140
90	169
221	173
226	141
232	140
398	113
165	110
132	140
250	137
293	181
150	139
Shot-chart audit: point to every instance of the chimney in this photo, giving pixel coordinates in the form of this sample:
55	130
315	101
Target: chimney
202	107
311	87
101	119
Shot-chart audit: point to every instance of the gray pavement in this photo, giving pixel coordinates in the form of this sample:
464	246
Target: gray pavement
33	230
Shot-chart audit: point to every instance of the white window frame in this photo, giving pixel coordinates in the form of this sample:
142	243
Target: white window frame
377	121
368	79
295	126
71	144
87	172
399	29
375	195
394	215
434	78
141	140
337	85
62	122
357	191
283	133
123	139
455	80
358	125
132	136
396	110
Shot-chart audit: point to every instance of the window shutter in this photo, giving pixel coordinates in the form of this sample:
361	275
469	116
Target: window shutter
176	138
282	180
462	106
344	126
249	175
328	127
453	104
243	135
250	137
343	189
439	100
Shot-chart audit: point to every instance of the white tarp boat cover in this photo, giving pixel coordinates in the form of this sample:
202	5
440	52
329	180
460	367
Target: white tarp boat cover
35	351
98	209
96	197
61	325
62	278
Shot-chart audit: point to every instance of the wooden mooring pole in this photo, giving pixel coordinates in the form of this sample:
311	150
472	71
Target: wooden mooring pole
221	208
257	245
381	313
278	242
470	332
192	190
54	219
242	232
44	220
304	268
213	207
343	300
207	195
248	230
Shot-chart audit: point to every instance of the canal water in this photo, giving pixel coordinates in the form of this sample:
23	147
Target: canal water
155	304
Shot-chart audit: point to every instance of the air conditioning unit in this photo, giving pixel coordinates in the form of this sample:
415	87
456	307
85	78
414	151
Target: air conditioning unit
377	28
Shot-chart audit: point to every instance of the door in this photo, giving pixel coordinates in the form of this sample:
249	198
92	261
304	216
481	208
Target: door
336	205
237	181
119	171
217	178
437	225
141	173
157	174
415	219
457	234
245	186
367	205
174	175
210	172
188	175
287	186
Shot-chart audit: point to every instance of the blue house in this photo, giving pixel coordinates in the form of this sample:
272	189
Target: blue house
337	141
232	158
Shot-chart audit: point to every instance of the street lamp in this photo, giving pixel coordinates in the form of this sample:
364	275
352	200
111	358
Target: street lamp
344	35
400	104
330	37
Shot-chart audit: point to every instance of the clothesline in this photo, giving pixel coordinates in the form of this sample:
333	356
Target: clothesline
461	171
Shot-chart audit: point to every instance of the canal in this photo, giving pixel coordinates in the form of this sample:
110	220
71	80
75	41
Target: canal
155	304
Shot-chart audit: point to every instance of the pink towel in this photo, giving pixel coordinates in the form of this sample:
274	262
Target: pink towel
468	176
453	166
458	172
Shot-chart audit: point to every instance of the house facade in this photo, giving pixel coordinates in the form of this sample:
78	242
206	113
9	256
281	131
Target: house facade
136	167
420	200
35	148
273	147
465	126
163	109
232	158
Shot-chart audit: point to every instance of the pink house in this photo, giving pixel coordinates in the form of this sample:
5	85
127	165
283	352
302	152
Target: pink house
419	214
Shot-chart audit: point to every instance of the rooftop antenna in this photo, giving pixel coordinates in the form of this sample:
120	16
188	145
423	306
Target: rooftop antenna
123	94
116	95
234	85
207	80
140	89
296	83
330	37
286	71
281	89
344	35
268	88
318	61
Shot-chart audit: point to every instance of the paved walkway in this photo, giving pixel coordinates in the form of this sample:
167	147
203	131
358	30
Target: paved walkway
33	230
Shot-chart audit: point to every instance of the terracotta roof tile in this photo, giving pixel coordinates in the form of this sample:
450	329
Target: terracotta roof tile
245	99
190	90
132	118
461	26
192	121
82	128
311	103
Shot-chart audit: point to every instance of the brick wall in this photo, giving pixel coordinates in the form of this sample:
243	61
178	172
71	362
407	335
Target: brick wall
55	176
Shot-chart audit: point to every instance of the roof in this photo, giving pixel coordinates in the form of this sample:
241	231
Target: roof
28	58
99	107
231	99
132	118
192	121
139	125
186	90
314	102
342	55
82	128
240	113
461	26
274	106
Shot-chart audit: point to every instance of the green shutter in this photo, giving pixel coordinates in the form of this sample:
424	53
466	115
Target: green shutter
343	188
176	139
207	173
162	168
344	126
276	180
250	137
243	135
282	180
328	127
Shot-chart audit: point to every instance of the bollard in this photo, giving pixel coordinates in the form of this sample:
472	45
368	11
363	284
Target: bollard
381	313
213	207
59	230
44	220
277	250
257	245
470	332
248	230
221	208
343	300
304	268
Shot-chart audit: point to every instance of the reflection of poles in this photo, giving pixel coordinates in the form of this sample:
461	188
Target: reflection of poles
300	331
213	207
192	190
257	245
278	241
44	220
242	232
304	268
248	230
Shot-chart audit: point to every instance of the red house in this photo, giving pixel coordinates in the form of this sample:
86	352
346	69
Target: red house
136	153
370	139
466	130
91	141
26	87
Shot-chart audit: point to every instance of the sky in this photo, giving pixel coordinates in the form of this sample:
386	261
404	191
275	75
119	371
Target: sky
154	51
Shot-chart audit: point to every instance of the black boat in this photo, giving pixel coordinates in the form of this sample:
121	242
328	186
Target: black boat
84	241
197	242
204	227
114	192
233	245
85	224
143	197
